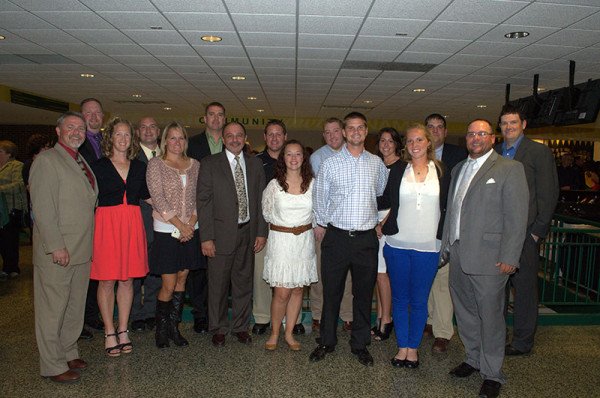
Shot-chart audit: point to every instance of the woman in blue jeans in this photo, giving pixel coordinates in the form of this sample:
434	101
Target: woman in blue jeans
416	194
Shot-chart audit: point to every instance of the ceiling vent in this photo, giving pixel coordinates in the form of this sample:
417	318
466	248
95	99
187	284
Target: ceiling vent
388	66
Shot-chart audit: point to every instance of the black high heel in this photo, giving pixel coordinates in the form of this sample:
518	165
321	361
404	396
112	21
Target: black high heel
384	333
375	329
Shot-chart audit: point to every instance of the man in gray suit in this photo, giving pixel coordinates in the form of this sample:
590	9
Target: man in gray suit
542	180
144	302
232	230
483	233
63	196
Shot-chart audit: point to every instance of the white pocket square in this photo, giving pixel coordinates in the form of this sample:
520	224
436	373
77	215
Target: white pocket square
490	181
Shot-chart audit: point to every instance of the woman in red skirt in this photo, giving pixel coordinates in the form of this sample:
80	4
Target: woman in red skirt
120	252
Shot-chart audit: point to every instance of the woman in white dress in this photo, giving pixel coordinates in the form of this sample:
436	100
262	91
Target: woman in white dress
290	260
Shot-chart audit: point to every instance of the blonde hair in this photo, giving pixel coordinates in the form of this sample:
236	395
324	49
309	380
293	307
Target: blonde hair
430	150
163	142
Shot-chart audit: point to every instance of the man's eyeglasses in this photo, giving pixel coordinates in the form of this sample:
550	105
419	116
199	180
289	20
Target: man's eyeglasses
480	134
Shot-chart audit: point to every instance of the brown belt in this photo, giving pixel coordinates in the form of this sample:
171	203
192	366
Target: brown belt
291	230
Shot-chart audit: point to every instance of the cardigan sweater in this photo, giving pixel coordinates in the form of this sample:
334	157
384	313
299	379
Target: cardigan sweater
111	186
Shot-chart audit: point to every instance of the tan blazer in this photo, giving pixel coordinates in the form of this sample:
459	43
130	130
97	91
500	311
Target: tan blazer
63	203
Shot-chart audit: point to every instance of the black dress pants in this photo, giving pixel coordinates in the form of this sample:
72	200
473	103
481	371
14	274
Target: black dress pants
342	251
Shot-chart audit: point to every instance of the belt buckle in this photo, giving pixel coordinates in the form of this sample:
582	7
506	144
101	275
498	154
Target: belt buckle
352	233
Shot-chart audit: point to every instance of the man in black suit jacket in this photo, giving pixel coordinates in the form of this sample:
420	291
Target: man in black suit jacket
439	305
144	305
542	180
232	229
207	143
91	150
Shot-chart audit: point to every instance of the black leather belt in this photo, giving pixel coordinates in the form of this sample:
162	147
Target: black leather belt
351	233
242	225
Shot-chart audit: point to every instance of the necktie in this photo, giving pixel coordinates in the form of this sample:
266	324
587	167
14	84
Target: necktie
153	154
240	187
85	170
461	190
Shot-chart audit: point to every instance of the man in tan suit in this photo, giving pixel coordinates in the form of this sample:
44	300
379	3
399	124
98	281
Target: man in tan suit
63	195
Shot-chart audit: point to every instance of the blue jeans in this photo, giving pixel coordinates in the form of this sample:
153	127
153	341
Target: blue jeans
411	276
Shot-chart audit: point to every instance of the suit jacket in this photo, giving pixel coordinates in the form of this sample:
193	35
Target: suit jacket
146	208
493	220
217	201
542	180
390	198
87	151
63	204
198	147
452	154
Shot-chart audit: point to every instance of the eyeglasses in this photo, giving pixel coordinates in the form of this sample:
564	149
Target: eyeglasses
480	134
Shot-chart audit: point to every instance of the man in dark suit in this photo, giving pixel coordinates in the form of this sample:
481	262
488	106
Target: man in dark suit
232	229
542	181
207	143
63	196
91	150
483	233
439	305
144	303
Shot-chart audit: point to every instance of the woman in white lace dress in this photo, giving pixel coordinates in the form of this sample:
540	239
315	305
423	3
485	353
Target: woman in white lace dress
290	260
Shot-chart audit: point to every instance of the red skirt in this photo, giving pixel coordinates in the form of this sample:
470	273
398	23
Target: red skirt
120	248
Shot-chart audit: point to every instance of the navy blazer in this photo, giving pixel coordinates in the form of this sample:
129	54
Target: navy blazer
390	199
452	155
111	186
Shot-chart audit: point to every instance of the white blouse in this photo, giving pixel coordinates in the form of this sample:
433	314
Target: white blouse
418	212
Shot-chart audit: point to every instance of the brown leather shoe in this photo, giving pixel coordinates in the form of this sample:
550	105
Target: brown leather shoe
77	364
218	340
440	345
243	337
348	326
428	331
70	376
316	325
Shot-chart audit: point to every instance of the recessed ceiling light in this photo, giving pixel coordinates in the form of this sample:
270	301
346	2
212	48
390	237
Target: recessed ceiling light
167	108
2	37
260	110
482	106
211	39
516	35
238	77
541	89
86	75
446	116
419	90
367	101
156	27
251	98
187	126
137	96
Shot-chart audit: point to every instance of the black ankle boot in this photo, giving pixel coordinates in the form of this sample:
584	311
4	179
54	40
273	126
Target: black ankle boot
175	318
162	323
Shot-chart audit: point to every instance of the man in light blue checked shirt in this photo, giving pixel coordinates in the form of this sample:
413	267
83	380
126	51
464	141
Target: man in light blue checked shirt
344	200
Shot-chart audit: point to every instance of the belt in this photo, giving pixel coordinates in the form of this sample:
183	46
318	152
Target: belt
351	233
242	225
292	230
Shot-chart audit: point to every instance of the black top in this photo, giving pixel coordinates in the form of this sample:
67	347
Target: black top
198	147
390	199
111	186
268	164
452	155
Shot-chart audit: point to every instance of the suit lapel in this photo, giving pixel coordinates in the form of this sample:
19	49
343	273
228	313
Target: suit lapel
226	169
482	171
72	163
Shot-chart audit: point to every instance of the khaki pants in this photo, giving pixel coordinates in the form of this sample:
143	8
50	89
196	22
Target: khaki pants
439	305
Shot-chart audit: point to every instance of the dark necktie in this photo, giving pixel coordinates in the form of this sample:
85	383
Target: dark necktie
153	154
85	170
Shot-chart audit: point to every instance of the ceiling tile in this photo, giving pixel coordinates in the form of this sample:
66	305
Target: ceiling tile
84	20
572	37
422	57
135	20
381	43
475	60
437	45
264	23
456	30
392	26
208	22
120	49
321	53
591	23
73	49
261	7
334	8
223	51
119	5
535	33
329	25
169	37
410	9
258	39
519	62
492	48
54	5
22	19
170	50
481	10
551	15
324	41
367	55
46	36
543	51
100	36
278	52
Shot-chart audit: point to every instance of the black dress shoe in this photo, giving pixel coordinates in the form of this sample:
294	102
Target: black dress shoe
260	328
513	352
411	364
86	335
320	352
150	323
96	324
138	326
363	355
200	325
299	329
218	340
463	370
489	389
243	337
398	363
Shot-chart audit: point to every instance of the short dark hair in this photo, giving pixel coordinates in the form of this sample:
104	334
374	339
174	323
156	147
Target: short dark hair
276	122
435	116
37	142
234	122
214	103
90	99
355	115
509	109
482	120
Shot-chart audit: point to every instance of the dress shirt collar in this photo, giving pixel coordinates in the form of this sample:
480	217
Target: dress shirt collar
481	160
70	151
148	151
509	152
439	152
